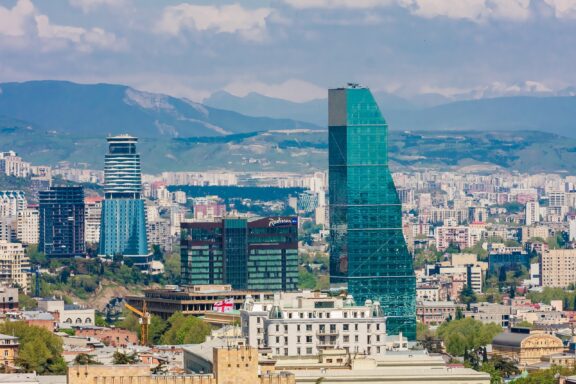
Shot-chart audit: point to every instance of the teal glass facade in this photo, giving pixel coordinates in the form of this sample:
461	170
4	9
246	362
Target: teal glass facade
123	223
368	252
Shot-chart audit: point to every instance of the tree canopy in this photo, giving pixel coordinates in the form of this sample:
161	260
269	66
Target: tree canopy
467	334
185	330
40	350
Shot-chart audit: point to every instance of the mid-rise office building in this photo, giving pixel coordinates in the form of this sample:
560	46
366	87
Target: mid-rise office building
508	260
62	222
123	228
28	225
558	268
532	213
301	324
14	265
258	254
368	252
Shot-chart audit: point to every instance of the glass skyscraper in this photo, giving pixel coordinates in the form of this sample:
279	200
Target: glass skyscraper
61	215
368	253
258	254
123	228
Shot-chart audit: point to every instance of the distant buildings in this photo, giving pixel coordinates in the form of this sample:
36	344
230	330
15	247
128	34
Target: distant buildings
558	268
525	347
62	222
123	228
11	202
256	254
532	213
12	165
14	266
368	252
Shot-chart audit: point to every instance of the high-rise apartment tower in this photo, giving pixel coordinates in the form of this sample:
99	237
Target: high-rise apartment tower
123	229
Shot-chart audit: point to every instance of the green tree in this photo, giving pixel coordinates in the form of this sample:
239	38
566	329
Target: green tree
467	296
85	359
524	324
122	358
306	280
156	329
467	334
185	330
40	350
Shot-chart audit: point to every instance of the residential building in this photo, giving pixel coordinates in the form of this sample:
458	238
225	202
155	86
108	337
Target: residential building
256	254
14	265
93	206
123	228
62	222
491	313
28	226
368	252
12	165
196	300
9	346
436	312
302	324
11	202
558	268
532	213
457	236
541	232
8	299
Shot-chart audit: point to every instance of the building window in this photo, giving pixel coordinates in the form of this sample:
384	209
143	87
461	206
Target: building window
308	339
309	351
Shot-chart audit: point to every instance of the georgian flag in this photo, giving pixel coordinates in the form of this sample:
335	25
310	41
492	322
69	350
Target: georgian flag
223	306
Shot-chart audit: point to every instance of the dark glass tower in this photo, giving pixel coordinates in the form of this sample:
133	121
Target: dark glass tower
258	254
62	222
368	252
123	228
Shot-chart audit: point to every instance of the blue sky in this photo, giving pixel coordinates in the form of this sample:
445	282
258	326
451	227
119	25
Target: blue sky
294	49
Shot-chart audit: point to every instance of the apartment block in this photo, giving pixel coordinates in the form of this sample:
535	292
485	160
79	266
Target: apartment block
558	268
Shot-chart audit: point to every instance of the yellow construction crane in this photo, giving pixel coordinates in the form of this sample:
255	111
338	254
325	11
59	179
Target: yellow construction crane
144	320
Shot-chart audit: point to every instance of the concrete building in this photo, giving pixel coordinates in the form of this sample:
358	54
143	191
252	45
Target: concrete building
92	219
558	268
9	346
69	314
28	226
491	313
436	312
459	236
541	232
301	324
8	299
11	202
196	300
237	365
14	265
532	213
12	165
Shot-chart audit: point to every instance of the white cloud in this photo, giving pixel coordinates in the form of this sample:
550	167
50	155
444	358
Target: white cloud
89	5
293	89
26	22
338	3
563	8
475	10
249	23
14	22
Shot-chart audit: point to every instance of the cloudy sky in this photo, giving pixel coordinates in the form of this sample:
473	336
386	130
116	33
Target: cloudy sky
293	49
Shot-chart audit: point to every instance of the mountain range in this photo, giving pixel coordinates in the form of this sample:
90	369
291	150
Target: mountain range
48	122
98	110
